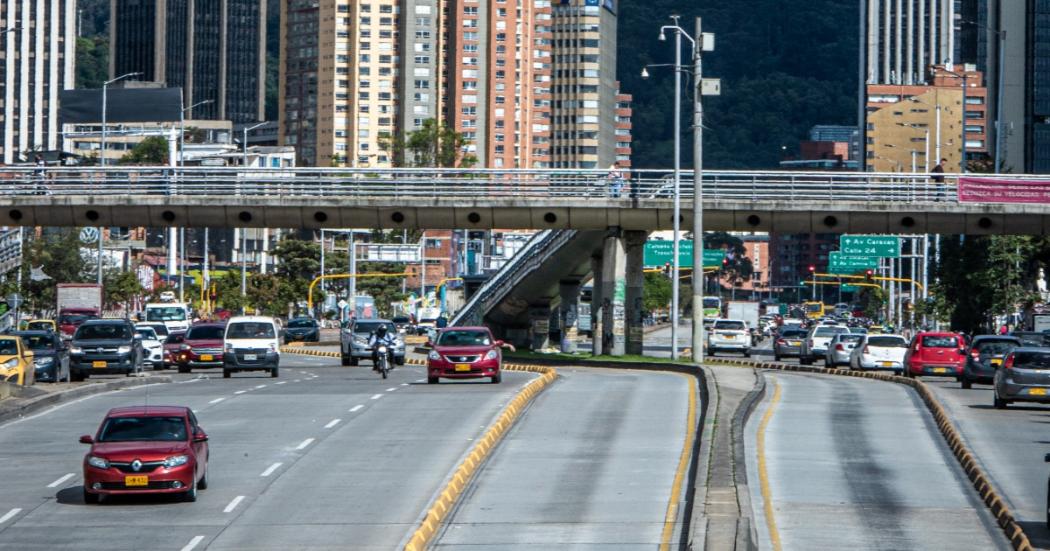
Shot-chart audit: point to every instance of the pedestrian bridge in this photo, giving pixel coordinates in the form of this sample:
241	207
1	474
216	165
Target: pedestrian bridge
823	202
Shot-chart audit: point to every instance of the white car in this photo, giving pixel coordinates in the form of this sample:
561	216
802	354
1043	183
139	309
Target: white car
251	343
729	336
152	347
839	349
879	352
816	343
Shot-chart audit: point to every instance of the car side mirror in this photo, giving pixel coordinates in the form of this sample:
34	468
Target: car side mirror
429	344
962	352
500	343
28	354
1047	458
200	436
87	439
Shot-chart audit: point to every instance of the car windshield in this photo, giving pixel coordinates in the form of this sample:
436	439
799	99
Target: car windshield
103	331
464	338
814	307
1033	359
888	342
730	325
166	313
1030	339
940	342
850	337
995	348
794	334
159	328
250	330
302	323
143	429
175	338
147	333
73	319
8	347
369	327
207	332
39	326
712	303
858	330
400	319
38	342
829	331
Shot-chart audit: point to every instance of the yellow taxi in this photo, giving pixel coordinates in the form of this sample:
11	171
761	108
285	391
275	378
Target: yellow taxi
41	325
16	361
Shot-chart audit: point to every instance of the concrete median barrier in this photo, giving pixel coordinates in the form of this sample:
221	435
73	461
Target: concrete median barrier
981	483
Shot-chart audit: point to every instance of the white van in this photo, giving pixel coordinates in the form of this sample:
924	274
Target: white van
251	343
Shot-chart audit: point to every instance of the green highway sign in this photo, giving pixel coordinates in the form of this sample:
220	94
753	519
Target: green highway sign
883	246
849	288
659	253
839	263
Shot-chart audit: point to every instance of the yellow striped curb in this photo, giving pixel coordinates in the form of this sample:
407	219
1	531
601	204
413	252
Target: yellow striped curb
992	500
291	349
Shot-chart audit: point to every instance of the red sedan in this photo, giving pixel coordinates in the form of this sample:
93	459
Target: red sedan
171	348
201	347
935	353
465	353
146	449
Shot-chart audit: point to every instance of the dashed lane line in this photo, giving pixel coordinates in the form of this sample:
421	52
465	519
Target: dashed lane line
269	470
233	504
302	445
376	396
240	392
356	408
56	483
332	423
217	400
193	543
391	389
10	515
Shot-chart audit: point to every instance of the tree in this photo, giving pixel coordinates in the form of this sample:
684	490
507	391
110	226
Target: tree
120	288
385	290
150	151
434	145
656	293
92	64
737	267
58	252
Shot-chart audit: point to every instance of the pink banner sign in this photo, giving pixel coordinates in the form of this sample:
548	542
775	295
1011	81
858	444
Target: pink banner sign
990	190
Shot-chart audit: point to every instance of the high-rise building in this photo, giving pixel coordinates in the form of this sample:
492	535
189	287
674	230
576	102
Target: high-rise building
214	50
422	63
906	37
499	80
37	47
585	86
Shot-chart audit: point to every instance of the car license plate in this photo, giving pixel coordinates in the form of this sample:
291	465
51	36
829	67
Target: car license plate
730	337
795	343
887	364
136	480
940	370
250	357
206	357
462	367
101	364
997	362
1037	391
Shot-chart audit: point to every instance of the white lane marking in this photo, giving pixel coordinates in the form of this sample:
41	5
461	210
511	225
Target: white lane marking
260	386
216	401
357	407
193	543
377	396
332	423
296	381
391	389
61	480
10	515
305	443
233	504
281	383
269	470
240	392
404	384
421	380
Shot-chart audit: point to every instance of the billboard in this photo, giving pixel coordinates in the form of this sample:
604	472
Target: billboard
123	105
991	190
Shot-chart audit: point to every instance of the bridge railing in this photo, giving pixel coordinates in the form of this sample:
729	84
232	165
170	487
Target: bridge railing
475	183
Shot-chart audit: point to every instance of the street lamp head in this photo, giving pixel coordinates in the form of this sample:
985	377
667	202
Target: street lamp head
645	72
662	37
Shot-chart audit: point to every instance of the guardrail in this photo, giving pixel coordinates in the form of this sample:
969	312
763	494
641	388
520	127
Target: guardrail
412	183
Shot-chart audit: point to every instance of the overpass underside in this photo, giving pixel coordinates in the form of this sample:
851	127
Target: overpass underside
596	213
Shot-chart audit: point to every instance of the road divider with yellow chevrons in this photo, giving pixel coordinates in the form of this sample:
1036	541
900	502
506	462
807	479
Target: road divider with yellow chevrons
992	500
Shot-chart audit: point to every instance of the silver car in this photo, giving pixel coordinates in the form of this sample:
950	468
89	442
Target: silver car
353	341
879	352
839	349
815	344
788	343
1023	377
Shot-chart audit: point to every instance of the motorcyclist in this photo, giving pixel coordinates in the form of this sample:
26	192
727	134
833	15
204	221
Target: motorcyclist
378	338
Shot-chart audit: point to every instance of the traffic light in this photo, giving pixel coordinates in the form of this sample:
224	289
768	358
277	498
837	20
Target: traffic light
667	268
869	275
812	268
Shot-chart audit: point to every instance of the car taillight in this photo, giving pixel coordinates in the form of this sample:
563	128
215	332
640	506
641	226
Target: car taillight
839	347
781	341
975	354
810	342
866	350
1009	362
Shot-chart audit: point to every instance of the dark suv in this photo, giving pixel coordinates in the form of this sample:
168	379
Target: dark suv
104	347
986	354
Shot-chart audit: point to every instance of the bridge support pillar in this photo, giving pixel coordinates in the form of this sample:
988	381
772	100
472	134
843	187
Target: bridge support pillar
539	326
634	245
614	295
597	299
569	292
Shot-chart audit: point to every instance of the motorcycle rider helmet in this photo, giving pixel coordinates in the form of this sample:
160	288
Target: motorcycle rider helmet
381	331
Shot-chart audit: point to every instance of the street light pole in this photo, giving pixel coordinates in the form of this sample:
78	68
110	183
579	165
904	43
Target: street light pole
244	231
698	199
105	89
677	185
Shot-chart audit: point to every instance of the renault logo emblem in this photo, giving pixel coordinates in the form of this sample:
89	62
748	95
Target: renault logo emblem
136	465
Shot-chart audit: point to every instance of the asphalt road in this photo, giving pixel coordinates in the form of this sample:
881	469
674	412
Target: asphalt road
590	466
858	464
323	457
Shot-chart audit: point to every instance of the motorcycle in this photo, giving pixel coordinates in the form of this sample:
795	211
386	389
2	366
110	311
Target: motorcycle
383	364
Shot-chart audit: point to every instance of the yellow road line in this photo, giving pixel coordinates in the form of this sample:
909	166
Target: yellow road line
683	465
763	476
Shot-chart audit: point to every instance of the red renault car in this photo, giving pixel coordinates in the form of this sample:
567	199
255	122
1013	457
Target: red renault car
465	353
936	353
146	449
201	347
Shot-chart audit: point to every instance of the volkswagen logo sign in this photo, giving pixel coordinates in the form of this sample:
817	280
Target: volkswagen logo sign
136	465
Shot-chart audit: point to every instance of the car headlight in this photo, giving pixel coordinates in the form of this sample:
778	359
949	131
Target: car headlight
13	362
361	340
40	362
76	350
434	355
273	348
98	462
124	350
176	460
492	355
229	347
